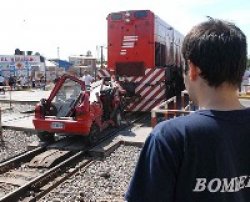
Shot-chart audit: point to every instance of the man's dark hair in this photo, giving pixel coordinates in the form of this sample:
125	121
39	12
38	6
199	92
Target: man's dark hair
219	49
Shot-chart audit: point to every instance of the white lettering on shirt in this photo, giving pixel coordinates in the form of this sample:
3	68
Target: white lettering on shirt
222	184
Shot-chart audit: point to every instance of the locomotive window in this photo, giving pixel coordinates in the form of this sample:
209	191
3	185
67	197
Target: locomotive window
116	16
140	14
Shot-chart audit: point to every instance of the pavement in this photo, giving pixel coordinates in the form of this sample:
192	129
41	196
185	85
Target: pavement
24	96
135	136
24	121
245	102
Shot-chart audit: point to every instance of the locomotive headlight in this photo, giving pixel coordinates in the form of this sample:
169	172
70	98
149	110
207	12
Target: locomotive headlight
127	20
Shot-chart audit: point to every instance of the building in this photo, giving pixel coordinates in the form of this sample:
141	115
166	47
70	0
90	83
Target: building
56	68
20	65
82	62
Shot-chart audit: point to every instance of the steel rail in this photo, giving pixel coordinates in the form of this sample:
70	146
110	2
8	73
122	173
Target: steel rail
15	161
40	180
45	190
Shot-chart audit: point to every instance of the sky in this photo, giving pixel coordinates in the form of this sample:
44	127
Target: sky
61	28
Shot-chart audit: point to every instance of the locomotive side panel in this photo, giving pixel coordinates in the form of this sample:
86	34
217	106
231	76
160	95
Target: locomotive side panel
178	39
164	46
168	42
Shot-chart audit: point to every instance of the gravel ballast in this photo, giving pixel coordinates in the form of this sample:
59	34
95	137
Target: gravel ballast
103	180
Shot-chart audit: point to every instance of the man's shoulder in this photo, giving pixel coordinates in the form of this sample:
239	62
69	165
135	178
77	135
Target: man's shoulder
179	120
177	125
169	127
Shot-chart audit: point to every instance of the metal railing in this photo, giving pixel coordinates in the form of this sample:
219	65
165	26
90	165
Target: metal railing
170	109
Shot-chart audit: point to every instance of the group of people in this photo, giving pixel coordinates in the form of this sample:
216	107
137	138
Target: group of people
102	93
106	82
88	79
21	82
203	156
6	82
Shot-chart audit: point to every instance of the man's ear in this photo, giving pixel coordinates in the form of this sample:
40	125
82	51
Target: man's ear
194	71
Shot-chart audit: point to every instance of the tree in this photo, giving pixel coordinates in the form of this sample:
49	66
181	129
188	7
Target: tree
248	63
89	54
17	51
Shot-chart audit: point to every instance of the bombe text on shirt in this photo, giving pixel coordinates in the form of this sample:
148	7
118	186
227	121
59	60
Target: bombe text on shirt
222	184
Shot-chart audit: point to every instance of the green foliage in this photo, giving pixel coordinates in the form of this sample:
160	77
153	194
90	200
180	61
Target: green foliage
248	63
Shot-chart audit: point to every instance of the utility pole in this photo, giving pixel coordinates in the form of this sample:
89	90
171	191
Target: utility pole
58	57
101	57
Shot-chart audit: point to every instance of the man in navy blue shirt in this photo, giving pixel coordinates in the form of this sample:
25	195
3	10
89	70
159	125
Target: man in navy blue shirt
205	156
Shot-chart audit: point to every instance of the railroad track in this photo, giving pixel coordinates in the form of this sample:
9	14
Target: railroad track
36	177
33	174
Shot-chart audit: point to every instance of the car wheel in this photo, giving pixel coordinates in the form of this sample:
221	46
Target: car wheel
92	138
45	136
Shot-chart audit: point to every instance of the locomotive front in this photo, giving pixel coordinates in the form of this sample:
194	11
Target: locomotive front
144	54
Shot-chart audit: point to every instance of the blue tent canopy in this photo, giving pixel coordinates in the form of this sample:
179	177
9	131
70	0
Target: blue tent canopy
63	64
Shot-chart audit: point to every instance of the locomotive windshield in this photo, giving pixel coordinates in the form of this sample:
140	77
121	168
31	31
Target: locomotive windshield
140	14
116	16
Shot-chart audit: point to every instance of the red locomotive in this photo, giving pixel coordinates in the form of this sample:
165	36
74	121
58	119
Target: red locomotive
70	109
144	53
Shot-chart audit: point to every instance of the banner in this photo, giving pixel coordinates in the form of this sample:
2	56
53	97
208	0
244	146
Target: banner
19	58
